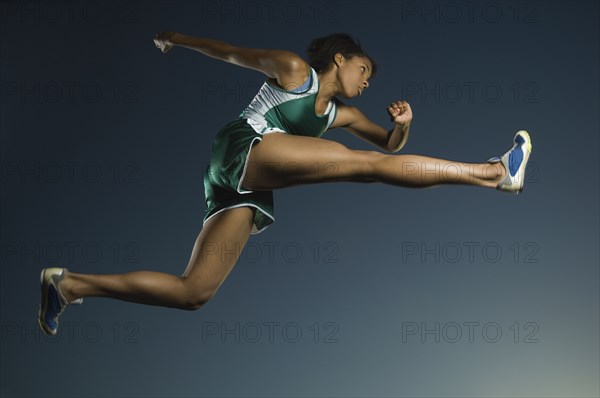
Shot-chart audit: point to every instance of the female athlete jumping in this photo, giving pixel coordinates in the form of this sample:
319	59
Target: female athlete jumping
276	143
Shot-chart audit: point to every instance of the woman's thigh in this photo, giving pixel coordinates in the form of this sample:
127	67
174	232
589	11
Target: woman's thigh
217	249
281	160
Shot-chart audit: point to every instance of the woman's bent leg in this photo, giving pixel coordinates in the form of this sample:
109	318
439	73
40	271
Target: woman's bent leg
214	255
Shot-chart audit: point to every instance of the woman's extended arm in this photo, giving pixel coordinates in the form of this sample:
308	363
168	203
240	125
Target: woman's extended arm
353	120
278	64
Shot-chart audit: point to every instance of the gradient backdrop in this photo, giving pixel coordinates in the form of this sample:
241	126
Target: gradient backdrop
356	290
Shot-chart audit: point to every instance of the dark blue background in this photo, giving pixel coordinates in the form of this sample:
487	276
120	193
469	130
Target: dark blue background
103	144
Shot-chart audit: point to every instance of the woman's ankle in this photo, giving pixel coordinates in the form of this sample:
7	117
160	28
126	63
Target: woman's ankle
66	288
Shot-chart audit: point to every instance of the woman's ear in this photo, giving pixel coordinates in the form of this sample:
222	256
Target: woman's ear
338	59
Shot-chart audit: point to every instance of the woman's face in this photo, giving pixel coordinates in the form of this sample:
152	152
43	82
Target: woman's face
353	75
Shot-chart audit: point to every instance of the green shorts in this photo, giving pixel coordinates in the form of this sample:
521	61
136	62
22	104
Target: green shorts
223	177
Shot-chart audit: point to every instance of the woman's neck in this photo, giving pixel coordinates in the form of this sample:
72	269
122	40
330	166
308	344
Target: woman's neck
328	86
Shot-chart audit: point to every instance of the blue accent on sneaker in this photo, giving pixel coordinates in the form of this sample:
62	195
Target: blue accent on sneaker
515	158
514	162
53	309
519	139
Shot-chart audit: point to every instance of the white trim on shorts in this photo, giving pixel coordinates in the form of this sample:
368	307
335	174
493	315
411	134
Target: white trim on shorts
239	186
264	131
255	230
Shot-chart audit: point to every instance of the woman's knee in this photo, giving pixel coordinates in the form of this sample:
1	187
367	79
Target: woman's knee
365	165
343	163
196	298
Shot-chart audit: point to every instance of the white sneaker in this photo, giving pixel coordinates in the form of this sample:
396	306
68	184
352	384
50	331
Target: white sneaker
53	302
515	162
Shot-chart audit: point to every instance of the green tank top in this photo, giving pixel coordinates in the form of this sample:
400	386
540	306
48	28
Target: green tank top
293	111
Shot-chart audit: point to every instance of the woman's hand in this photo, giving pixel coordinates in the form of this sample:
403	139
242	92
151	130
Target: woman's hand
400	113
163	40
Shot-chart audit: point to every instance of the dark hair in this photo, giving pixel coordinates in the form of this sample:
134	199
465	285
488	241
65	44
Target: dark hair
321	51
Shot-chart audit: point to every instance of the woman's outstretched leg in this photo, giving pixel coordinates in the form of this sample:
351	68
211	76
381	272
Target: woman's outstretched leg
282	160
214	255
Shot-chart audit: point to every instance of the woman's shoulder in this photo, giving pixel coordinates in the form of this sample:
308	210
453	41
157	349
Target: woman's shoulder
296	73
